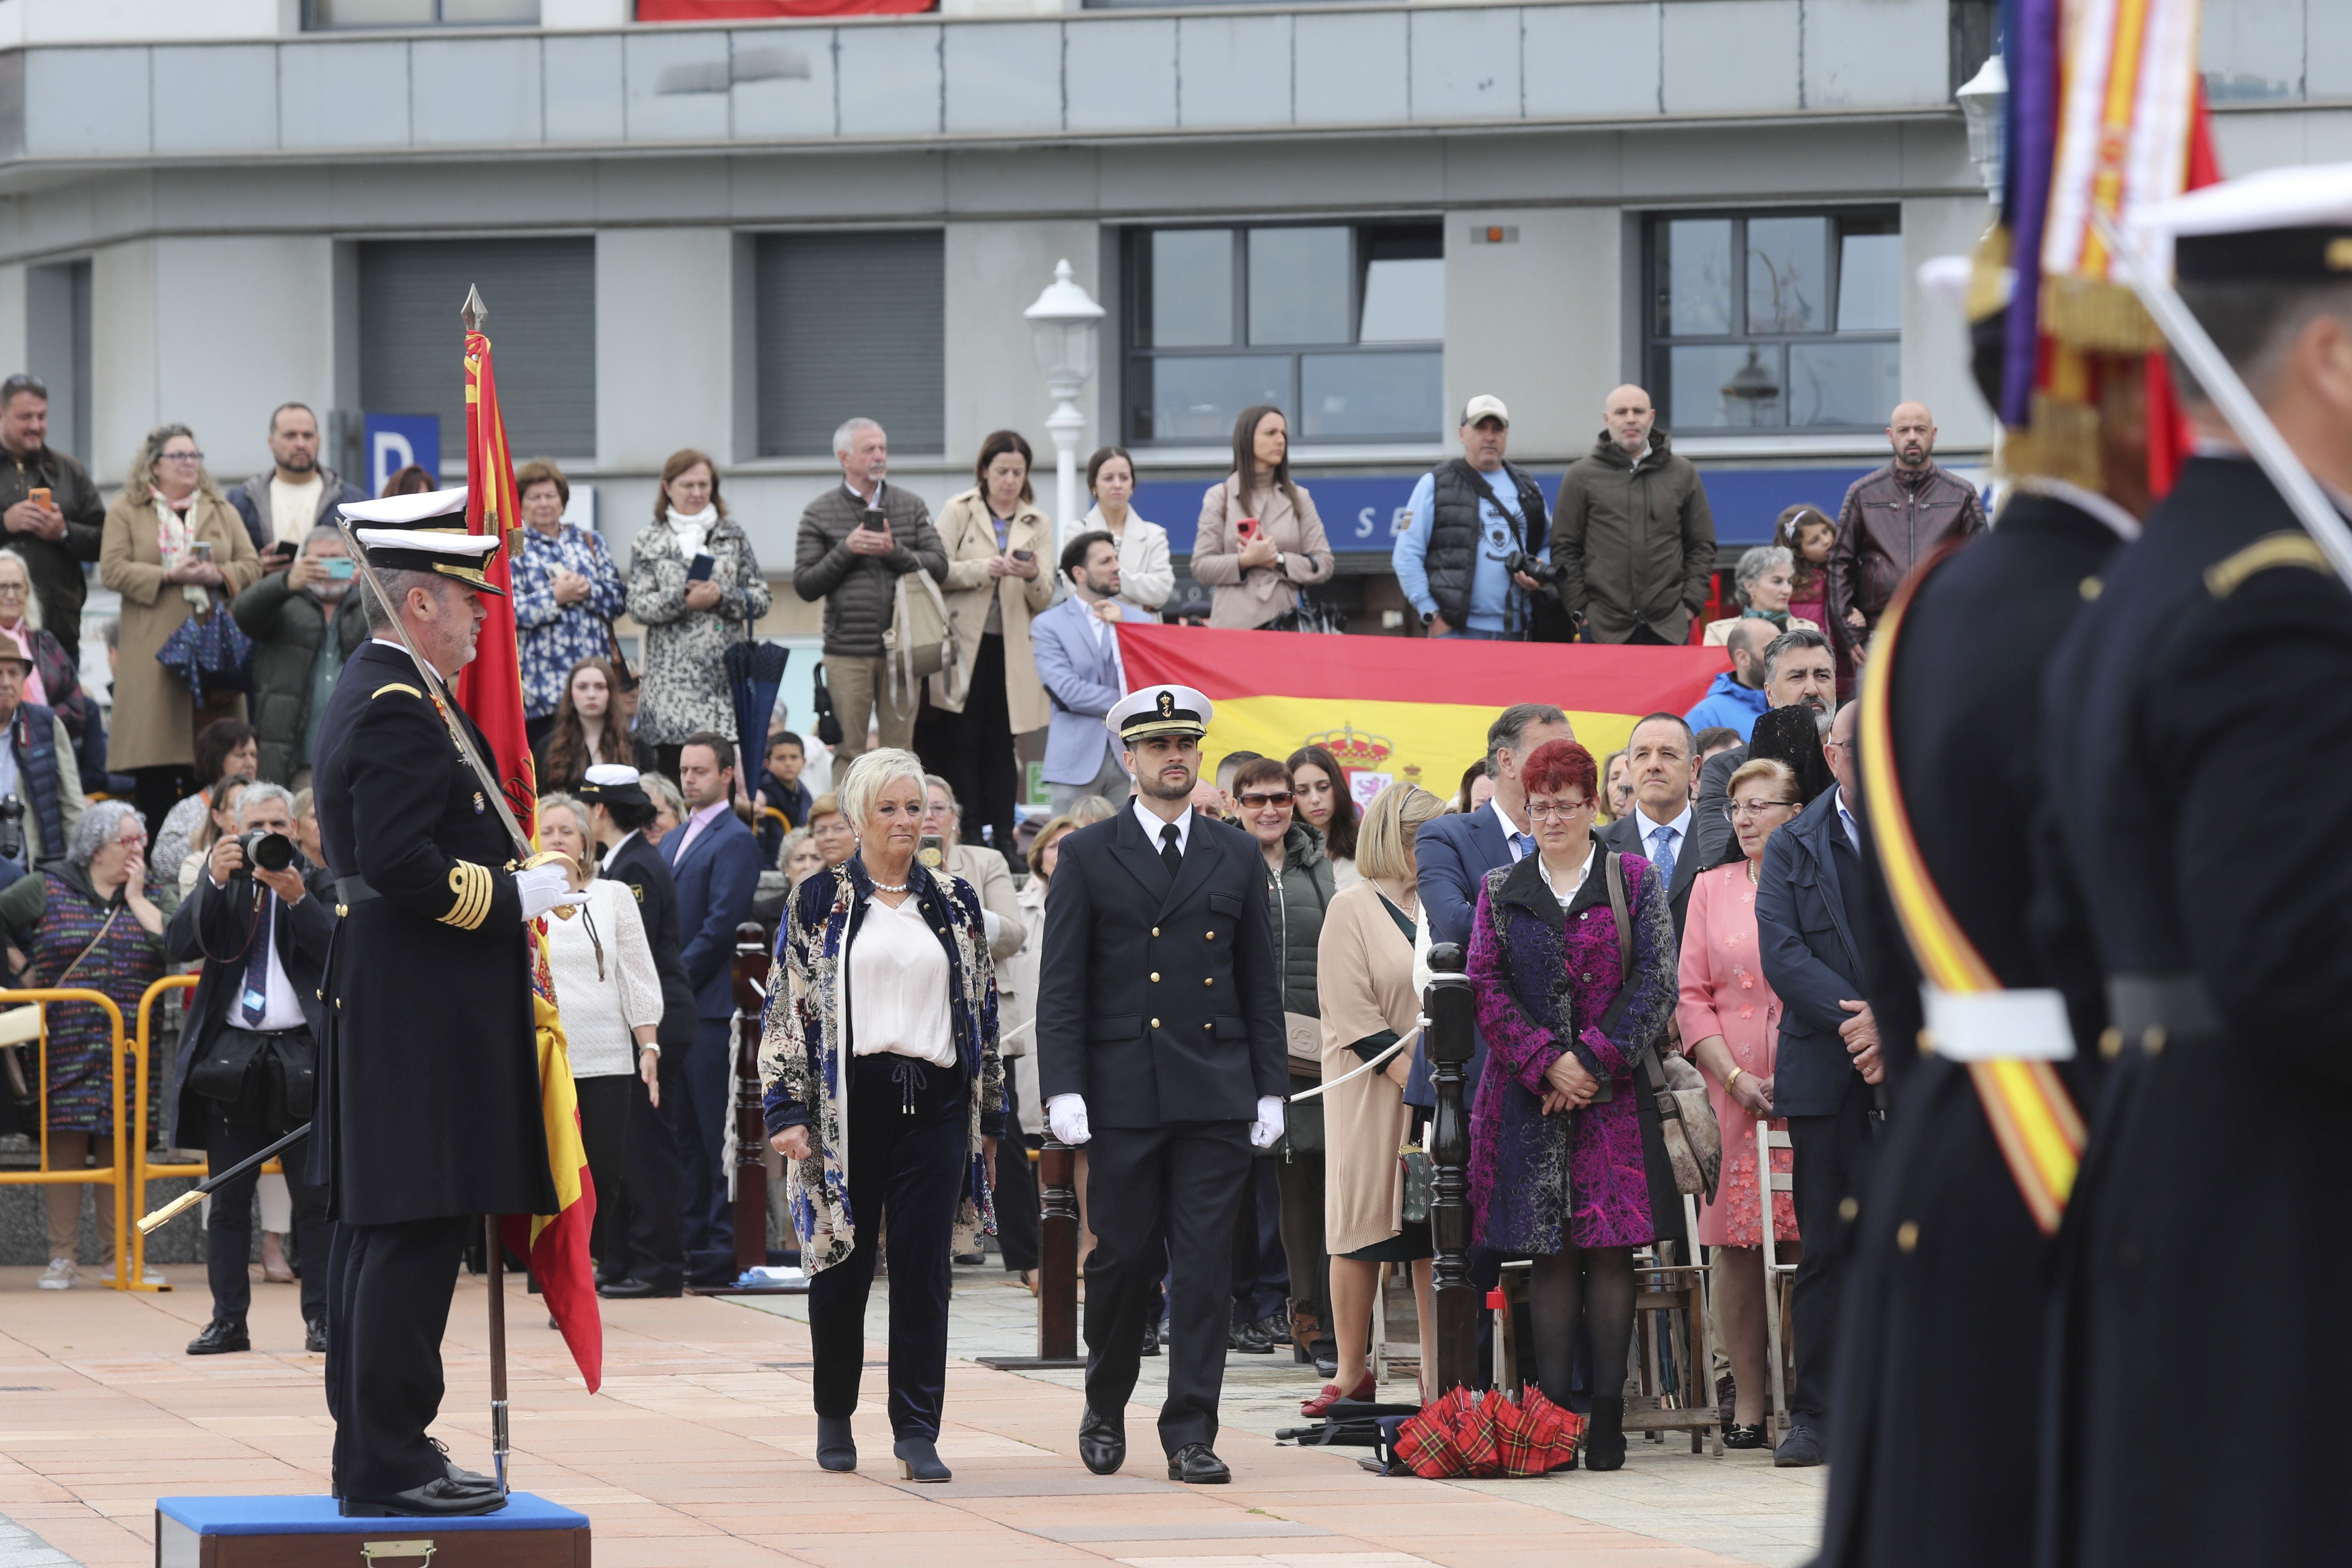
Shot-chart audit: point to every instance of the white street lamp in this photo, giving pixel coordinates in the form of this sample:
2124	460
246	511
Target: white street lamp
1065	324
1984	100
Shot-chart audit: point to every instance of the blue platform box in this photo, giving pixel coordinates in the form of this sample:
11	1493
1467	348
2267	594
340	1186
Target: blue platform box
307	1532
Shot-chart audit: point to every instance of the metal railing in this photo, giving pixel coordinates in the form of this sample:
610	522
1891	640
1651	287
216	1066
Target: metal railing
119	1174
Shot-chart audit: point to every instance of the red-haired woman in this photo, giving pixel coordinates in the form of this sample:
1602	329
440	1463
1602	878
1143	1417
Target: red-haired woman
1557	1169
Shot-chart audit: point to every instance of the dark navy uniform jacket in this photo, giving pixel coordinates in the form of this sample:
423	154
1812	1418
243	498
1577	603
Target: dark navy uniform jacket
428	1076
2198	742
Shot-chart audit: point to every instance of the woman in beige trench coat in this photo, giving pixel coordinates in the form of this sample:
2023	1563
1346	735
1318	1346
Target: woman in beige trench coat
1254	583
1363	969
1000	551
149	553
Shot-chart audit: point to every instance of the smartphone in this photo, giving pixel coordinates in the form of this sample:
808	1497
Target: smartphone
875	517
1246	528
39	496
280	554
201	549
931	849
341	569
1024	555
704	564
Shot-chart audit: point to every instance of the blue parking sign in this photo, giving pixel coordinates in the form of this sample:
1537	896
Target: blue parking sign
395	441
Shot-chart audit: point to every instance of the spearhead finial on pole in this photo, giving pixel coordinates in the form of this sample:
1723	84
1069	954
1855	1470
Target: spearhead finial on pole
474	312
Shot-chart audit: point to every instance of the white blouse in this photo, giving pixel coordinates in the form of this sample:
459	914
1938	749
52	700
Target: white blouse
899	985
597	1012
1147	573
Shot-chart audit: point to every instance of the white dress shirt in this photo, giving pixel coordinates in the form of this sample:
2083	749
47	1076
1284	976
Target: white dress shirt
281	1010
899	985
1678	829
1153	824
601	1012
1565	895
1846	821
1511	835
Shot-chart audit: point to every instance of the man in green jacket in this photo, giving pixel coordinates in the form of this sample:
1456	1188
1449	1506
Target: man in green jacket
1633	535
304	621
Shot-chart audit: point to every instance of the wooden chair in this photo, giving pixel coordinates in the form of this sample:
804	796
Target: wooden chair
1780	1279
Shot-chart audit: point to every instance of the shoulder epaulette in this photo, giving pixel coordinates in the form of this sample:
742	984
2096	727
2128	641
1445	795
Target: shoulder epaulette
396	686
2289	547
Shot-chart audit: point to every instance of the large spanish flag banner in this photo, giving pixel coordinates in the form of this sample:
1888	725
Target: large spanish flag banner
1406	707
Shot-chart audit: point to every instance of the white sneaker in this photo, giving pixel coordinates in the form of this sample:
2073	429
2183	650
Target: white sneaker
61	1275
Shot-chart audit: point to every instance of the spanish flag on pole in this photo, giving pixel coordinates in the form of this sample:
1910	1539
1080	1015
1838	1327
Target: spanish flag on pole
490	689
1409	708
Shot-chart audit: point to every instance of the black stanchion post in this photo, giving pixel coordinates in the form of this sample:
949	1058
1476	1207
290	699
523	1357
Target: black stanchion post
1057	1265
1449	1039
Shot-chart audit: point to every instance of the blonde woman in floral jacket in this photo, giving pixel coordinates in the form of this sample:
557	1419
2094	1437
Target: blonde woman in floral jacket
689	623
882	1085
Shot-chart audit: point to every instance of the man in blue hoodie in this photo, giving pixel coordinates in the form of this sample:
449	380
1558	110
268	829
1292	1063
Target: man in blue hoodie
1738	695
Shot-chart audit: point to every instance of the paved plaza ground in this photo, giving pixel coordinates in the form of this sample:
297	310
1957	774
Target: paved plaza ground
699	1451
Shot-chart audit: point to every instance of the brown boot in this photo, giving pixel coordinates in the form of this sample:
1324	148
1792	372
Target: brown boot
1306	1328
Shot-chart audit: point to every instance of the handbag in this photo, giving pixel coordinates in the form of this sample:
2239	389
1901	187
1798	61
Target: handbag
920	642
828	723
1686	1122
1420	1178
209	648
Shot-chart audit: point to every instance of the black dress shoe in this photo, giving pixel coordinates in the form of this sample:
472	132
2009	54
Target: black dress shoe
1801	1448
1326	1357
472	1480
1197	1465
1150	1345
442	1499
219	1338
1276	1327
835	1448
918	1460
638	1290
1102	1442
1751	1435
314	1336
1250	1339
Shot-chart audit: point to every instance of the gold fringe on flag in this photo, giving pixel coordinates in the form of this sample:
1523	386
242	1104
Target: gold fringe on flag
2095	316
2062	442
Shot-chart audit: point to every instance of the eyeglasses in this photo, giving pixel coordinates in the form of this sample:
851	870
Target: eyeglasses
17	589
1259	802
179	456
1739	809
1556	813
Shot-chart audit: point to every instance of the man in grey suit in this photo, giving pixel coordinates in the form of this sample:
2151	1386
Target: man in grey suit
1076	650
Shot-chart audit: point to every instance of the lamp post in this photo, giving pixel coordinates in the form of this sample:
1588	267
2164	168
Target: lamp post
1984	103
1065	324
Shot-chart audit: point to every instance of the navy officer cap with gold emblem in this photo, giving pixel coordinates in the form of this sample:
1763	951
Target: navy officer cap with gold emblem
425	533
2279	225
1159	710
607	784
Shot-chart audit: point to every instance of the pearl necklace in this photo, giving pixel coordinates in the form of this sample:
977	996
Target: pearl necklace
888	888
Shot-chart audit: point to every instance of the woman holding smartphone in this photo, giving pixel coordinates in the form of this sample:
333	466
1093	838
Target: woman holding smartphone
694	586
998	544
1260	541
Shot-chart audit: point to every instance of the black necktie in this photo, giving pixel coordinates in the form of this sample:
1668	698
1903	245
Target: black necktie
1169	853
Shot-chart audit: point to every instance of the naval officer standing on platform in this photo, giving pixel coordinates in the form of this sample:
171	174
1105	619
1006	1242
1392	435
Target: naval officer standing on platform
1160	1047
428	1113
2210	1210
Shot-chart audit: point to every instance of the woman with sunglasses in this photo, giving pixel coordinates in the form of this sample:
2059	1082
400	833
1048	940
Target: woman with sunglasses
1732	1019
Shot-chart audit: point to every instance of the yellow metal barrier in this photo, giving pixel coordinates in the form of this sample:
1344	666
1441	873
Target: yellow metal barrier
127	1241
140	1171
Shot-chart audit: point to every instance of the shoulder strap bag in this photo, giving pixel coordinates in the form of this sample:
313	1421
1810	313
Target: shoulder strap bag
920	642
1685	1116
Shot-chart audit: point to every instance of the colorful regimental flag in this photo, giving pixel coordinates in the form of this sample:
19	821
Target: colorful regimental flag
490	689
1406	709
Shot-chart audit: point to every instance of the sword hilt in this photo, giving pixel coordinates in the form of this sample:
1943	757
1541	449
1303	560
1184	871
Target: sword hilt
171	1211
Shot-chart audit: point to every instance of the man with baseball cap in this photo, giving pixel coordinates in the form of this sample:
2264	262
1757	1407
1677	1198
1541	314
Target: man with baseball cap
1160	1047
36	772
1475	561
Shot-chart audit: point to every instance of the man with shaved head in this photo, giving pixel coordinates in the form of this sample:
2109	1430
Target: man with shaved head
1633	536
1891	519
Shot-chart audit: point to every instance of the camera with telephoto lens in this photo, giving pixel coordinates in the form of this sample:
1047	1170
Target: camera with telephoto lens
12	827
269	851
1534	567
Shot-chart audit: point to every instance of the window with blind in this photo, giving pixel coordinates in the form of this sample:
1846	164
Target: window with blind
542	295
851	324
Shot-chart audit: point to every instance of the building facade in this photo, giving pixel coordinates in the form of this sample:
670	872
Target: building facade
731	238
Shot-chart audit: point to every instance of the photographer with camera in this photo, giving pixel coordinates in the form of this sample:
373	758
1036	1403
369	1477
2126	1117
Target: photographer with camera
260	918
1476	560
40	787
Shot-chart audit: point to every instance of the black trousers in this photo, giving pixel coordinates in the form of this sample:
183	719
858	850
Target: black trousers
1261	1282
977	750
228	1228
1183	1180
707	1077
646	1236
1829	1171
907	1157
388	1295
1015	1192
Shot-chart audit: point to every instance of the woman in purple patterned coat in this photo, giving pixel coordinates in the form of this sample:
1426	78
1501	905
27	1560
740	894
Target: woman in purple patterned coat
1557	1168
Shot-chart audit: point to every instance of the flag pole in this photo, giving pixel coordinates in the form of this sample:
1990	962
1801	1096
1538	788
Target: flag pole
472	314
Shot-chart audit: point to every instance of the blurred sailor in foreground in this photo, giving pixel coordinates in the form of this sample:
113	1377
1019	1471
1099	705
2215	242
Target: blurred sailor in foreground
1160	1047
2206	1260
428	1112
1933	1455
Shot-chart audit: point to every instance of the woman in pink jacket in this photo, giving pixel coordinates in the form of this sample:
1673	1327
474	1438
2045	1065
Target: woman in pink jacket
1260	541
1732	1021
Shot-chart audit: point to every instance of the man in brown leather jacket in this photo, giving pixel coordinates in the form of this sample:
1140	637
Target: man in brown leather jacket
1891	519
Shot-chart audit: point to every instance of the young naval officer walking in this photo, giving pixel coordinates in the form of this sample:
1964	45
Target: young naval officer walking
1160	1047
428	1113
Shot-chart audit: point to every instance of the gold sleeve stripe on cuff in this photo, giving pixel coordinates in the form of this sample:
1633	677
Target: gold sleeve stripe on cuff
471	884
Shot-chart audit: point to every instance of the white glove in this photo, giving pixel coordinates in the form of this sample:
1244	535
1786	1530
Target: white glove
1065	1117
544	887
1268	1125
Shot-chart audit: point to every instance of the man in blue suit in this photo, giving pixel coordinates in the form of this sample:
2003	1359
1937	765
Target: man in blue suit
1454	852
715	861
1076	650
1809	917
